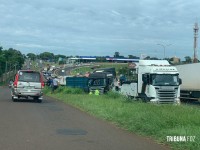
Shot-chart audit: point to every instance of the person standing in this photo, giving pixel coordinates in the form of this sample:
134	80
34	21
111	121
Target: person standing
54	84
122	79
49	81
96	92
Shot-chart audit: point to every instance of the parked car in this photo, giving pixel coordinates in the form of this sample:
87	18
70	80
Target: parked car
27	84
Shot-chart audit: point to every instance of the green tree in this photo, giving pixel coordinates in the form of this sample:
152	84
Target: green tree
188	59
116	55
32	56
47	56
132	57
1	49
10	57
2	63
14	56
56	57
147	58
129	73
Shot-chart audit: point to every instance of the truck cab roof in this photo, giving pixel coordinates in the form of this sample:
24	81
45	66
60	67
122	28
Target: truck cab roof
153	63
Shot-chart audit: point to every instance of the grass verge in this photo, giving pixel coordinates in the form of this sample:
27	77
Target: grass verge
155	121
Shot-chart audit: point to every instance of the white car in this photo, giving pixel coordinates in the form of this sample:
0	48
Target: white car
28	83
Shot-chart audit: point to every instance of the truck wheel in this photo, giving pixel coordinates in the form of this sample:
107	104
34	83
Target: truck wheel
145	99
116	88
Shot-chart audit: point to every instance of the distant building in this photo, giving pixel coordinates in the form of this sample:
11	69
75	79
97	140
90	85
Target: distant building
175	60
84	59
123	60
107	58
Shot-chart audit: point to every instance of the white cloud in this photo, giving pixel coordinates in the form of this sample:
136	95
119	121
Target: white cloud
100	27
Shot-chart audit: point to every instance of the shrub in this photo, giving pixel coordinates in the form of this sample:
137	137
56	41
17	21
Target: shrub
46	90
60	89
113	95
77	91
69	90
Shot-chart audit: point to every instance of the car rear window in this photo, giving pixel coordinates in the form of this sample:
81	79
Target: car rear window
29	76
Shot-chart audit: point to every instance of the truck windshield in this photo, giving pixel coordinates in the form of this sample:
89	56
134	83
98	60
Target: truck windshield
164	79
96	82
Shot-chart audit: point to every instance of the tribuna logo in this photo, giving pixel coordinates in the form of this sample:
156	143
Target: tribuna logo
180	138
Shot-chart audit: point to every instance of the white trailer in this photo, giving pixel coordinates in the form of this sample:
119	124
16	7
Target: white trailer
189	73
157	82
62	80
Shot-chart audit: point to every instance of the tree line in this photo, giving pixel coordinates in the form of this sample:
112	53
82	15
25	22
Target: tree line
10	59
45	56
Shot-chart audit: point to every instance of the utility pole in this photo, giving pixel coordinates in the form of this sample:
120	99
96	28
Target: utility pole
196	28
164	47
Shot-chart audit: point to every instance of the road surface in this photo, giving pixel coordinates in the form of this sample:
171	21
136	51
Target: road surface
53	125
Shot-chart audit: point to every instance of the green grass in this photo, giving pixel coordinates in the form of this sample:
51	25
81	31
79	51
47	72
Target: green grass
155	121
83	70
116	65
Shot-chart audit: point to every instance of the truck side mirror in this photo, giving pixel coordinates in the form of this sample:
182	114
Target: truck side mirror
180	81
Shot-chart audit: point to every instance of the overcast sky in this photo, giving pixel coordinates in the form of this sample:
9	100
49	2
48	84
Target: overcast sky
99	27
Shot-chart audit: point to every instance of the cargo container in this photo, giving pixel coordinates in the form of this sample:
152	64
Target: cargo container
190	88
77	82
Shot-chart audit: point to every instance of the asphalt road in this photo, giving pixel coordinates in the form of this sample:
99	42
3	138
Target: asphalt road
52	125
63	72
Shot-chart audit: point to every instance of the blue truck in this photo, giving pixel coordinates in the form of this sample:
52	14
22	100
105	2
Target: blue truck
101	79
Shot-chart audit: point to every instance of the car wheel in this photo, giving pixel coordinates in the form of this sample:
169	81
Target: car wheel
36	99
39	101
13	99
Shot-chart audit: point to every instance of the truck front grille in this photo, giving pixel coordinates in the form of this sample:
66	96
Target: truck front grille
101	90
166	95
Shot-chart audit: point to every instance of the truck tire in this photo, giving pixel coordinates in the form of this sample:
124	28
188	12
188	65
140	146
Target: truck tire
144	98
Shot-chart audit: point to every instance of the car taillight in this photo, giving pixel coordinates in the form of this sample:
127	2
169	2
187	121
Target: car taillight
42	82
15	84
16	80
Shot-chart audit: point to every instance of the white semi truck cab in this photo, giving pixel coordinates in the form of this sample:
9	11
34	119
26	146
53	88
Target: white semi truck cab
157	82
